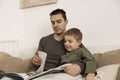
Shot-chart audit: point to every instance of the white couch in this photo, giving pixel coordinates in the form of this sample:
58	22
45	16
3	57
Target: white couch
23	56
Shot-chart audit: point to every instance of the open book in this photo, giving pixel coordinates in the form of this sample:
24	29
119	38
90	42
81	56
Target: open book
24	76
13	76
50	71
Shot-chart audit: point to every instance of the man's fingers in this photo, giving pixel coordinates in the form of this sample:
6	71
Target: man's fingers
66	69
72	70
36	59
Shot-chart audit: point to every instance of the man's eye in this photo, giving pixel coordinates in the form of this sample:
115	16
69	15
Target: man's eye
52	22
59	21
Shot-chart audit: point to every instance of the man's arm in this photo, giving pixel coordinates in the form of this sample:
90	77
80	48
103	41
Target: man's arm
90	76
73	69
36	61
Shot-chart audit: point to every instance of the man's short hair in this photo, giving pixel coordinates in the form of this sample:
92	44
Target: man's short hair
59	11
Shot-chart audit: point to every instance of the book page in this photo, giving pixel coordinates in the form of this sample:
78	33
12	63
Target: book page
50	71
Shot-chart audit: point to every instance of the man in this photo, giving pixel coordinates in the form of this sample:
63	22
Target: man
53	45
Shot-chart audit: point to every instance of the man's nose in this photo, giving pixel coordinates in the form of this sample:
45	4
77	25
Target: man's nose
56	24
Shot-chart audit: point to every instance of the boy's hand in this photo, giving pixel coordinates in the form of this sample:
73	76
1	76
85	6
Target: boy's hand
90	76
73	70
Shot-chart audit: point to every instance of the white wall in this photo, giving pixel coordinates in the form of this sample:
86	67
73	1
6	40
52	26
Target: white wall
99	20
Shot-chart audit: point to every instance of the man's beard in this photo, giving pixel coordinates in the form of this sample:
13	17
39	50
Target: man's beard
59	33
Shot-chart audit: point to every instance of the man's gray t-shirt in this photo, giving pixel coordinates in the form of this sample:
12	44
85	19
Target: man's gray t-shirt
54	49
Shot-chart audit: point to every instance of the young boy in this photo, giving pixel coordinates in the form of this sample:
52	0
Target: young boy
77	55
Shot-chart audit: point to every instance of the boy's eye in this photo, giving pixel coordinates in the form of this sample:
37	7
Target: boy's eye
65	41
69	41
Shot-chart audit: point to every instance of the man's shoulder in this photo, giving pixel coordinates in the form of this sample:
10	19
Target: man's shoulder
50	35
47	37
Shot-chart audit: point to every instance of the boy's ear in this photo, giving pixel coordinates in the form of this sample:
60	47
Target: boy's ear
79	41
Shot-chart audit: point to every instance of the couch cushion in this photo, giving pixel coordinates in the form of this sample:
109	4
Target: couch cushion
110	57
106	58
118	74
109	70
9	63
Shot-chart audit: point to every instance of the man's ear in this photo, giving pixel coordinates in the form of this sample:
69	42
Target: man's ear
66	21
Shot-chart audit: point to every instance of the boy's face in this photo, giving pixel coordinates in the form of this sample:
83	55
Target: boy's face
71	43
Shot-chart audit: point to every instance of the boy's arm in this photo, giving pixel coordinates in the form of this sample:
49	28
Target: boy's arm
90	63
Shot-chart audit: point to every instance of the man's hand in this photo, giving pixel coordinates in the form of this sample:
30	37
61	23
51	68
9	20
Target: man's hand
90	76
73	70
36	59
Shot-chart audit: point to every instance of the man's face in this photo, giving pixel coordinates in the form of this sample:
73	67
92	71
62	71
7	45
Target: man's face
58	24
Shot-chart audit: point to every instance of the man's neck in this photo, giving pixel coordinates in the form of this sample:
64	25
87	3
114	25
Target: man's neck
58	37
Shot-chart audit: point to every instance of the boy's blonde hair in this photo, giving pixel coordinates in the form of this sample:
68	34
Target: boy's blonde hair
75	32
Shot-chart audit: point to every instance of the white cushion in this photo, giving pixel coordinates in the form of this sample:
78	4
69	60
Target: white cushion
108	72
